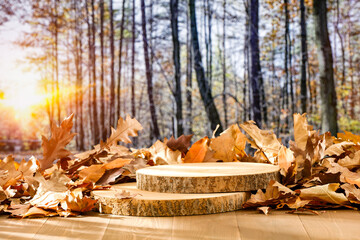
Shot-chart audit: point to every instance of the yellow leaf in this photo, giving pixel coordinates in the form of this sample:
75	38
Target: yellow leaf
324	193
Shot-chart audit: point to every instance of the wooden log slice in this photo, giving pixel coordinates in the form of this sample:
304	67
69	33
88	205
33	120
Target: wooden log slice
154	204
206	177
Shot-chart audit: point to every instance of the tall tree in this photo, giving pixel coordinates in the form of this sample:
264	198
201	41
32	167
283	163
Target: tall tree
205	92
102	88
155	127
133	111
112	67
303	89
326	74
176	59
224	65
96	132
255	61
188	76
56	33
122	23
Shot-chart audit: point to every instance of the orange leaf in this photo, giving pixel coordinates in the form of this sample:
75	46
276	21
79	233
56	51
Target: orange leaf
199	152
117	163
92	173
55	147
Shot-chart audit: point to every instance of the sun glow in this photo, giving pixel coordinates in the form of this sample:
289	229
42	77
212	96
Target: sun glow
24	99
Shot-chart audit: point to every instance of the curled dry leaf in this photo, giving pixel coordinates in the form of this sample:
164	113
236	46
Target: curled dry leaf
326	193
54	148
230	143
199	152
162	154
126	128
352	192
263	140
301	131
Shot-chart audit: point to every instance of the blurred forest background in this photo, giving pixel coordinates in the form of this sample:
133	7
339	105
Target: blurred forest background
182	67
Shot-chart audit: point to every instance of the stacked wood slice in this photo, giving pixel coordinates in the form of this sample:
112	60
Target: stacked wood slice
187	189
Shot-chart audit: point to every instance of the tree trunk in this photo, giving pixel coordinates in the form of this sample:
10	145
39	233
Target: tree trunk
133	111
327	83
102	90
118	114
155	126
255	61
205	91
303	90
176	59
112	70
188	76
224	66
57	64
89	65
96	132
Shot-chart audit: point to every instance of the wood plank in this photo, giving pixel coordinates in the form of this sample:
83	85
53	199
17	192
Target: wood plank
216	226
206	177
154	204
127	227
14	228
277	225
333	224
90	226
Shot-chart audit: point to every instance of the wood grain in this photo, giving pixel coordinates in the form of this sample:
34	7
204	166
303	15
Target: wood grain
166	204
206	177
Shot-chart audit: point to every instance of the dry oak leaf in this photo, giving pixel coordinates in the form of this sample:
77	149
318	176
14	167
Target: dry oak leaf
125	194
162	154
54	148
285	159
274	194
117	163
125	128
92	173
182	143
263	140
76	202
295	203
28	168
348	136
325	193
230	142
338	148
352	192
264	210
9	175
199	152
349	162
301	131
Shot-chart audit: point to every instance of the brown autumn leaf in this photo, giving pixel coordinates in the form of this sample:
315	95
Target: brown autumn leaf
295	203
228	144
125	129
125	194
110	176
265	141
18	210
117	163
162	154
54	148
199	152
285	159
325	193
350	162
352	192
301	131
10	174
92	173
35	212
182	143
28	168
338	148
76	202
275	193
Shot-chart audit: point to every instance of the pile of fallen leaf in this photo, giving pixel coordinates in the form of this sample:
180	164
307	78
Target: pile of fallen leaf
318	171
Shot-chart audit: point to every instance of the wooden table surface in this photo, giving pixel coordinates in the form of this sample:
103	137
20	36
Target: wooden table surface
244	224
